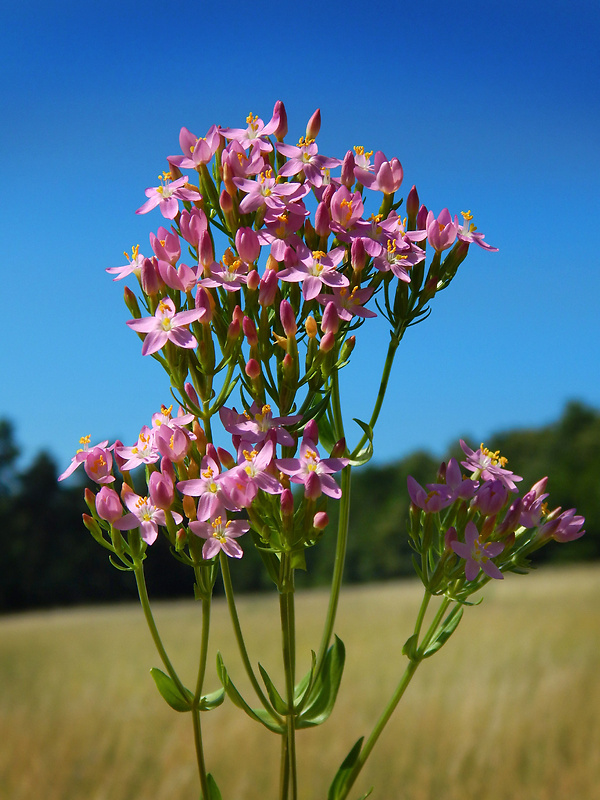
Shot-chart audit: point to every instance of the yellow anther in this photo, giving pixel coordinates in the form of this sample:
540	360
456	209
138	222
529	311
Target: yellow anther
217	523
466	215
85	439
208	473
494	457
166	411
251	120
266	409
319	254
134	253
311	454
304	142
250	456
163	307
360	151
228	257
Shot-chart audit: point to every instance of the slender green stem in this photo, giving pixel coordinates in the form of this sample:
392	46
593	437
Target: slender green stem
200	753
235	621
288	642
206	609
145	601
385	376
397	696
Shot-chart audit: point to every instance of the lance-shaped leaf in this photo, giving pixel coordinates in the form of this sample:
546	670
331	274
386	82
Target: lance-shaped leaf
323	692
213	789
446	630
276	699
212	700
344	770
170	691
303	685
258	714
365	453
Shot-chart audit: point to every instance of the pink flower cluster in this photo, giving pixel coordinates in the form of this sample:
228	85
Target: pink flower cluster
498	529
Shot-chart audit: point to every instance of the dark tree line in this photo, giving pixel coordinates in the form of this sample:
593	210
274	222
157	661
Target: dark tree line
47	558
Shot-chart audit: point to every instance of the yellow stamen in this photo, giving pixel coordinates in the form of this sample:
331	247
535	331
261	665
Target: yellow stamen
494	457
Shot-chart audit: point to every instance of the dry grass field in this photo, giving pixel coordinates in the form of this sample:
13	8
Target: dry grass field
508	710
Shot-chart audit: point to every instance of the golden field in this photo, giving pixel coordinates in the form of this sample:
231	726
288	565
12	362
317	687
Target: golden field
509	709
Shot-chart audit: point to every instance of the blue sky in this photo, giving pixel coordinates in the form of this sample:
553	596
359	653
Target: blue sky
492	107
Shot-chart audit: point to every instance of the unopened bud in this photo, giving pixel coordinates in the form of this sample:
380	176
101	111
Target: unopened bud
312	487
358	255
189	507
311	431
314	125
253	281
226	201
268	287
191	393
310	326
206	253
347	348
281	130
288	318
250	332
339	448
327	342
330	322
322	219
247	244
421	218
287	502
149	277
348	164
321	520
226	458
252	369
132	303
412	205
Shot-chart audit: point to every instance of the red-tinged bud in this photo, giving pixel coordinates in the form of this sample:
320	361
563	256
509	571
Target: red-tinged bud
238	315
320	520
268	287
90	499
252	369
226	458
204	301
348	164
161	490
281	130
330	322
233	331
149	278
358	255
189	507
167	469
314	125
312	487
310	326
206	253
310	236
311	431
92	526
191	393
328	194
322	219
247	244
412	205
287	503
174	170
253	281
287	364
422	218
327	342
250	333
201	440
131	303
180	539
339	448
211	452
226	202
290	259
193	470
288	318
441	473
449	537
390	176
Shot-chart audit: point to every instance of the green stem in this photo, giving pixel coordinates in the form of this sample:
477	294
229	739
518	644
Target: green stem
145	601
385	376
288	641
206	609
235	621
397	696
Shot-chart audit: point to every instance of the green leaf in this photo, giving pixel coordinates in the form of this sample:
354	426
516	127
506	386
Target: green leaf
345	769
410	647
213	789
170	692
365	453
212	700
259	714
326	433
302	686
445	632
276	700
323	693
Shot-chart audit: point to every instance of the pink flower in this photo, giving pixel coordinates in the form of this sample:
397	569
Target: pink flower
349	304
346	209
258	423
196	151
220	535
265	191
143	515
81	455
386	175
437	498
212	489
134	264
467	233
315	268
313	471
166	325
477	554
144	451
108	505
165	196
442	230
255	133
489	465
304	157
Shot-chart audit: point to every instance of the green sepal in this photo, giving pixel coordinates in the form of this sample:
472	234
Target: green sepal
344	770
212	700
445	632
259	714
365	453
276	699
298	560
322	695
410	647
213	789
126	568
170	692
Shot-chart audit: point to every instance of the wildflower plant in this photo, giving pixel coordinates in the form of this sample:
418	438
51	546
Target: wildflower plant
273	259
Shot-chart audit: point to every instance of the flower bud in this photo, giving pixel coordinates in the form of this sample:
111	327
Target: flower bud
347	348
348	165
131	303
288	319
226	201
226	458
253	281
422	218
269	284
250	332
310	326
412	205
330	322
287	502
108	505
149	277
161	490
234	330
314	125
312	487
167	469
247	244
206	253
189	507
311	431
322	219
252	369
281	130
358	255
327	342
320	520
339	448
191	393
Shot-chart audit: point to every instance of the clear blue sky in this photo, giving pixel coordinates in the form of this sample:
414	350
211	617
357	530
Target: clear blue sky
492	107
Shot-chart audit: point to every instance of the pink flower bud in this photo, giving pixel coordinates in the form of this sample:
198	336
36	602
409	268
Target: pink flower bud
312	487
330	321
238	315
412	204
279	112
287	502
389	176
322	219
422	218
348	165
268	288
161	490
206	253
108	504
321	520
149	277
314	125
288	318
339	448
358	255
212	452
311	431
234	330
327	342
253	281
226	202
250	333
191	393
226	458
247	244
252	369
167	469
